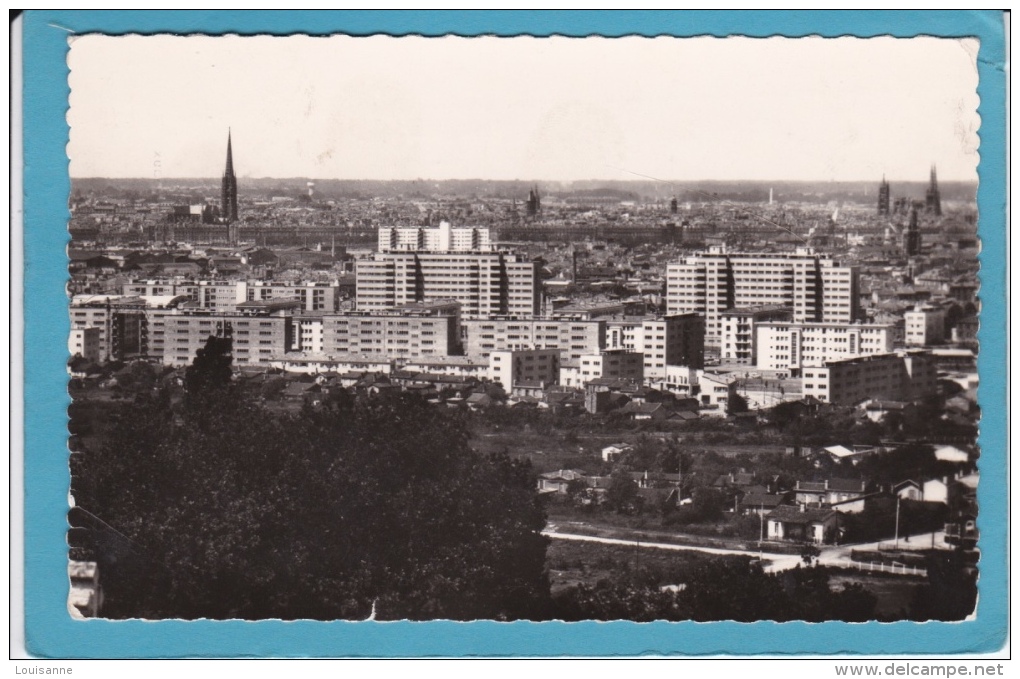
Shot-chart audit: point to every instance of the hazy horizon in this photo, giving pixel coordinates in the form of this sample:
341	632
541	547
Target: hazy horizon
551	109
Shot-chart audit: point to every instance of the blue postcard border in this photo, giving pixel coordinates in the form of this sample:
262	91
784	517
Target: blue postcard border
50	632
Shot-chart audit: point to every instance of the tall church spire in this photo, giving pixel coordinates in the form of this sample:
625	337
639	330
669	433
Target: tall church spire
230	157
932	198
228	205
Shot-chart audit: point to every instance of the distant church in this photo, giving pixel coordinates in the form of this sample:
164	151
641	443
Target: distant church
932	199
228	202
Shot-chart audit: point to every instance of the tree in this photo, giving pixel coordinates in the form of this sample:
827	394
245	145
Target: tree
622	493
736	404
211	369
232	511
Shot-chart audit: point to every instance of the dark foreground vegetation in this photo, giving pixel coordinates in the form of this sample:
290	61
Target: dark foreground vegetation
198	501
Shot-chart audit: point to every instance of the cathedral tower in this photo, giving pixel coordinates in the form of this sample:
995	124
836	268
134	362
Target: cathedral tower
932	200
883	197
228	205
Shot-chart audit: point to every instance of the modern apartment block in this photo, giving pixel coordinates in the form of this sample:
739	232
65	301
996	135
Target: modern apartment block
226	295
666	340
610	364
84	342
410	331
442	238
792	346
260	331
573	338
513	366
923	326
313	296
129	326
485	283
813	285
903	376
737	341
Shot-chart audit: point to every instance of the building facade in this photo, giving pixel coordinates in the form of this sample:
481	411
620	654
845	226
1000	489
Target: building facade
442	238
667	340
482	336
485	283
737	343
923	326
903	376
792	346
610	364
512	366
412	331
813	285
260	332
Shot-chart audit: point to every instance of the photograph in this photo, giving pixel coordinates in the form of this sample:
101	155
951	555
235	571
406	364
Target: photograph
448	328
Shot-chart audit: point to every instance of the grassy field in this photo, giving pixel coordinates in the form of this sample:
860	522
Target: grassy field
572	563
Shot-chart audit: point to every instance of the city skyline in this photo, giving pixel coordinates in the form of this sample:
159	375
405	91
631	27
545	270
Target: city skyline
524	108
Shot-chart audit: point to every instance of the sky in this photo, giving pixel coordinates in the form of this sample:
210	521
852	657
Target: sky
525	108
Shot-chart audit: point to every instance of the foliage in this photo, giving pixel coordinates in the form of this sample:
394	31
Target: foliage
622	493
736	404
217	508
720	590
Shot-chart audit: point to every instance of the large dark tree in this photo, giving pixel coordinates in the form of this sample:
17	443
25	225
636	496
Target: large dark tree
214	507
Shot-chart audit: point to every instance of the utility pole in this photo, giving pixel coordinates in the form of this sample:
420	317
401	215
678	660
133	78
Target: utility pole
761	528
896	544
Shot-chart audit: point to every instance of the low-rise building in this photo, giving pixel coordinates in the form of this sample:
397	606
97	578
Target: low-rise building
574	338
611	364
902	376
792	346
924	325
524	364
737	341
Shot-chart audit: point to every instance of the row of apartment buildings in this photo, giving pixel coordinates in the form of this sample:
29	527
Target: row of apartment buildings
447	294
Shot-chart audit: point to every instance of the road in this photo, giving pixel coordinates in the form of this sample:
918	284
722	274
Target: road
831	555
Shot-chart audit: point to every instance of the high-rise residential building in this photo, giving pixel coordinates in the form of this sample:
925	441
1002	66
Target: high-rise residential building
932	199
442	238
883	197
228	196
813	285
793	346
485	283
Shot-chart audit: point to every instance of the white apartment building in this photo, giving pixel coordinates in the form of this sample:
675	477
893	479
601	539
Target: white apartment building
411	331
792	346
813	285
442	238
923	326
307	335
667	340
485	283
226	295
609	364
573	337
902	376
737	339
524	364
84	342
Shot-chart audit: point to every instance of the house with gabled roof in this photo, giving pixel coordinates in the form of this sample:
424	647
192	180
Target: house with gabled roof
800	524
828	491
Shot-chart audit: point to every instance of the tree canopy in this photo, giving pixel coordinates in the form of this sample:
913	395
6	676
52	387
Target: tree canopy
212	506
